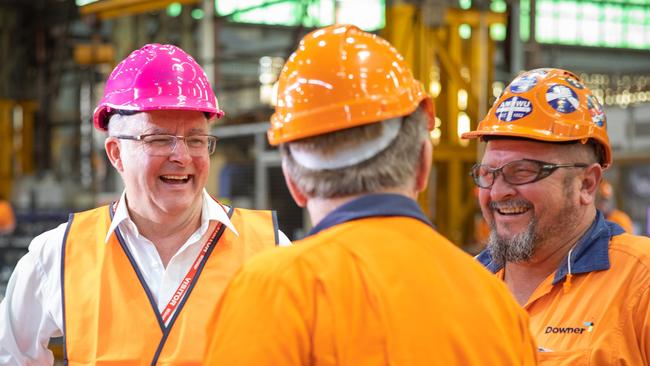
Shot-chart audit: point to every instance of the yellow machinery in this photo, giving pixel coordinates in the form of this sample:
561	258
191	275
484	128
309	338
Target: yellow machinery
16	141
107	9
459	74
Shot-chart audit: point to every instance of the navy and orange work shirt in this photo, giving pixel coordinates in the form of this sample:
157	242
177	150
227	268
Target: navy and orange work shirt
373	284
603	318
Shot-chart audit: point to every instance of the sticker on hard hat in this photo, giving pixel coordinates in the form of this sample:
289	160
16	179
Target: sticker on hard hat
541	72
513	109
523	83
562	98
592	102
574	83
596	111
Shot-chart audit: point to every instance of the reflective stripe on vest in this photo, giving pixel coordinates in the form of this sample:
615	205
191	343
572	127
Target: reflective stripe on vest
110	317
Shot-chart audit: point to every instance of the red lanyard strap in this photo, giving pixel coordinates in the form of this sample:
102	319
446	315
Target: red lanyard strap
189	278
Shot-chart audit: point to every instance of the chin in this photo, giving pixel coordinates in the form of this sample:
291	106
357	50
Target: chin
508	232
175	205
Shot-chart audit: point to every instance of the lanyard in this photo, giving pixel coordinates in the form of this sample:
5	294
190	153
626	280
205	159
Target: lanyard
189	278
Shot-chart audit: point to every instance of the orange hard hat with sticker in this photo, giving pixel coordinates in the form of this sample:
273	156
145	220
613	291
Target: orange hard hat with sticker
550	105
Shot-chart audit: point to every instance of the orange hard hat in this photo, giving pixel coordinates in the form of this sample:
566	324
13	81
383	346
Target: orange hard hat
342	77
605	189
550	105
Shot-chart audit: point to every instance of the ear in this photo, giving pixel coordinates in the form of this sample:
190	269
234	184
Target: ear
424	165
589	184
113	149
300	198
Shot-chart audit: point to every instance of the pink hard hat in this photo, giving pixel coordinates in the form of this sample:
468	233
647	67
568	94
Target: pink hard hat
157	77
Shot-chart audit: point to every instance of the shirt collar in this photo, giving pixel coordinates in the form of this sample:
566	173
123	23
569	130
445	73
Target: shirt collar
589	255
372	205
211	210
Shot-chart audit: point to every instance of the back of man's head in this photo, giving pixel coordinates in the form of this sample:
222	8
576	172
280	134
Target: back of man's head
350	116
365	159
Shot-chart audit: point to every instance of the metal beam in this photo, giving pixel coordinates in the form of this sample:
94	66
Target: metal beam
108	9
247	129
6	147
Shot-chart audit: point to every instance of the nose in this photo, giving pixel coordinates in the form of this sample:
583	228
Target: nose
501	189
180	152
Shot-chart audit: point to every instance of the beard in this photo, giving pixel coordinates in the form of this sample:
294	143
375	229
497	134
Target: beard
521	247
517	248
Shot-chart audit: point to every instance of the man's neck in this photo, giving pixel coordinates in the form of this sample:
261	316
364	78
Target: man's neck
523	278
168	233
320	207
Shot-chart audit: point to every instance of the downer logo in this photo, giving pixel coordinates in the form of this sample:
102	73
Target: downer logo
564	330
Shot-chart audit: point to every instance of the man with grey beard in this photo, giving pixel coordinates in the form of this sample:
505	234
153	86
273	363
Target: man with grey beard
521	246
584	282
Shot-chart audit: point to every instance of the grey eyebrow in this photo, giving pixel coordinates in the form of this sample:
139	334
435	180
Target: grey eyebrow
198	131
158	131
155	131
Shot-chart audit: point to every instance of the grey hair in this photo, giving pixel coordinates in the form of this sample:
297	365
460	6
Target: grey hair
393	167
115	122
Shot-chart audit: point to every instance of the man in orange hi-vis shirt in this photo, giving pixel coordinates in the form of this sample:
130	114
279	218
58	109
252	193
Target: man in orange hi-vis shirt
605	203
373	283
7	218
584	282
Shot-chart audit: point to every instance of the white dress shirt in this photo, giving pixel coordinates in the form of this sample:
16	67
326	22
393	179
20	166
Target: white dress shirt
31	312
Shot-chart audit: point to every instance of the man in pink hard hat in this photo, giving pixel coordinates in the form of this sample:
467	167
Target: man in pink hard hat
129	283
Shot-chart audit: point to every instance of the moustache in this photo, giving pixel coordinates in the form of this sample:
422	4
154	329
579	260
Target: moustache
518	203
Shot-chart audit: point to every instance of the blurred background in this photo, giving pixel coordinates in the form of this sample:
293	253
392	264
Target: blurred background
56	54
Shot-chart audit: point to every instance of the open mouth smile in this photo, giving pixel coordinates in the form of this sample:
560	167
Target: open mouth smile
175	179
510	208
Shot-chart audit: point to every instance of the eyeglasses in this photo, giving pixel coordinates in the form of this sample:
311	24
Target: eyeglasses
164	144
517	172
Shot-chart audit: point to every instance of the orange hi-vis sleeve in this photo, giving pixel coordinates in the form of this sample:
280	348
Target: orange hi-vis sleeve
110	317
372	291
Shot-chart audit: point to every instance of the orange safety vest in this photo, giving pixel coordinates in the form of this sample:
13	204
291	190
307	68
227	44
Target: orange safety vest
110	317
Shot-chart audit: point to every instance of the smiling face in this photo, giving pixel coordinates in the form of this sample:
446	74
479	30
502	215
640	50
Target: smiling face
159	186
525	218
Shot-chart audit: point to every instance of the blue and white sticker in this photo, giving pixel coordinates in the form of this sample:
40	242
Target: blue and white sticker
575	83
596	111
513	109
541	73
523	83
562	98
